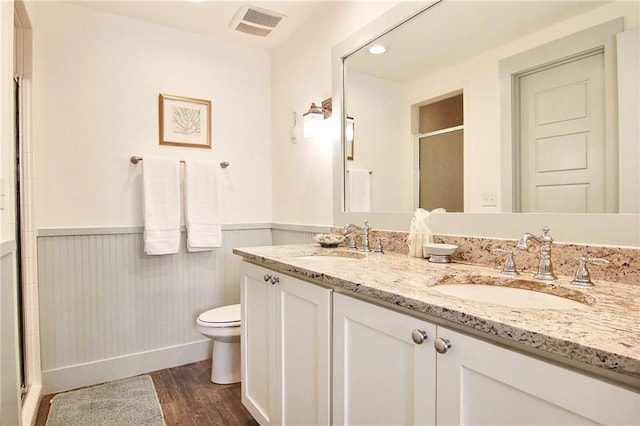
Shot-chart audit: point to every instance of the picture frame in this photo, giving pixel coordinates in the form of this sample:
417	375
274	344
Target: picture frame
349	137
184	121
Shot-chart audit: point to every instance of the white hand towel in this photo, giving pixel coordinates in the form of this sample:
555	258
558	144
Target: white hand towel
161	188
202	205
359	190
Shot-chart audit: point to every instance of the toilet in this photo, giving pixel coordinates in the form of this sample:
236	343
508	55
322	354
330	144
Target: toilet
222	325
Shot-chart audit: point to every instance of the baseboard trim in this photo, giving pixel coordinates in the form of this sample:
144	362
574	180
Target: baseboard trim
92	373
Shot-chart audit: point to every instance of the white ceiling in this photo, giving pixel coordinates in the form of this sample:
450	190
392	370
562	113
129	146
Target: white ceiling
474	25
455	30
212	18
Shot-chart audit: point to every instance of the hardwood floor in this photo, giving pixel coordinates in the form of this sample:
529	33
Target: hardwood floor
188	397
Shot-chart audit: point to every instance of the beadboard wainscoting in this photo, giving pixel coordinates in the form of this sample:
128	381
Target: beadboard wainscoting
295	234
109	311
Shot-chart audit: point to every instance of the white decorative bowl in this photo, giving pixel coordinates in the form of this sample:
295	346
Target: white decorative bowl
329	240
438	252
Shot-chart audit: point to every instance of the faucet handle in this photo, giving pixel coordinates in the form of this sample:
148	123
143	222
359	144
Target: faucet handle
379	241
509	264
352	241
582	276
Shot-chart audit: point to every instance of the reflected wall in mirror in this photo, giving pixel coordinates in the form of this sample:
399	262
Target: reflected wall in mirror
450	49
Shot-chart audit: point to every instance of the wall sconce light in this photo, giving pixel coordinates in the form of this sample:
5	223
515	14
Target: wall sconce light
312	119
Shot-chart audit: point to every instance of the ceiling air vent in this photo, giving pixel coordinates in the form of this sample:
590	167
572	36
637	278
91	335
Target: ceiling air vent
255	21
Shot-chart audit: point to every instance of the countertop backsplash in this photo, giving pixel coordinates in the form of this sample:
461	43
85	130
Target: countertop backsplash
624	263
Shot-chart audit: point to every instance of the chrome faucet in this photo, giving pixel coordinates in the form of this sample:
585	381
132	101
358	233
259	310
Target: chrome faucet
365	235
545	267
350	235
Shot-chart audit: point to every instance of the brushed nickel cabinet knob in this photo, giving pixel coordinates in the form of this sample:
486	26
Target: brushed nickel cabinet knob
442	345
419	336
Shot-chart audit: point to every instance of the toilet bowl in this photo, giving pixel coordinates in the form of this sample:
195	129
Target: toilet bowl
222	325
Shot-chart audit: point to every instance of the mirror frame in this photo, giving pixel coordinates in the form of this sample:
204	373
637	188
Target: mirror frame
599	229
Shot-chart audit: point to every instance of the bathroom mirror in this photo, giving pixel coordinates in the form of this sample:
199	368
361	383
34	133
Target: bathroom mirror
450	52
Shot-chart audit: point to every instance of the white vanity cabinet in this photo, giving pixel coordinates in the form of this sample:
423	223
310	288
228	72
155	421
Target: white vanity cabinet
380	375
480	383
286	348
313	356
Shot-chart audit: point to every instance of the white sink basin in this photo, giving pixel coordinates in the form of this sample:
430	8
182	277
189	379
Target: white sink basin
507	296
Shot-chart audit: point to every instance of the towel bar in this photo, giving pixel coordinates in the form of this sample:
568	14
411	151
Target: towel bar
135	160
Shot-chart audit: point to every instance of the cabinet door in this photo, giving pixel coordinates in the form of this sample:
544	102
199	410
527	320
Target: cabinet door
380	375
303	350
257	344
480	383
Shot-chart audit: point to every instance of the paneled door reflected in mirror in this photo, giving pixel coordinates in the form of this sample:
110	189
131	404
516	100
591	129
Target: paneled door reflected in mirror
562	138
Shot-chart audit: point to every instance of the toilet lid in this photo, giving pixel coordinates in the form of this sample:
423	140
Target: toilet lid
225	315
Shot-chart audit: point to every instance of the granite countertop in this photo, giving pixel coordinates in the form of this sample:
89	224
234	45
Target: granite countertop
603	332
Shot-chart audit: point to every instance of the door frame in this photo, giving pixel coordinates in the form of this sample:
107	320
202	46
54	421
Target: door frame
23	66
602	37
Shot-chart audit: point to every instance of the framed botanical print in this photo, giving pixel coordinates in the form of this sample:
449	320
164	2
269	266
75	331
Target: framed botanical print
185	121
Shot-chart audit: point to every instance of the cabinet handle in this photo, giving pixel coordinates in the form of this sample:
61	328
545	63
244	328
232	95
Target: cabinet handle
442	345
419	336
272	278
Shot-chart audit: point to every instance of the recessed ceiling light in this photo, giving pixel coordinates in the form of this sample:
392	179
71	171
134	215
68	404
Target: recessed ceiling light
377	49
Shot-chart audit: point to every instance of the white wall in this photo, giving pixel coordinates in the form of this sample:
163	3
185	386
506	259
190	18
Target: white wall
378	110
96	83
301	74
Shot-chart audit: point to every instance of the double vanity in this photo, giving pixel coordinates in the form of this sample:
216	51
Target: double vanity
338	336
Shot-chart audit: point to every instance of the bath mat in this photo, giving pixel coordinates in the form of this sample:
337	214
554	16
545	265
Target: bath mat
131	401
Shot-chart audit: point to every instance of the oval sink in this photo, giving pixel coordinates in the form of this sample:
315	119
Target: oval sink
507	296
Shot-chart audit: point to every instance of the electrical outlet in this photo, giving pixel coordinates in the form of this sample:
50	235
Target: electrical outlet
489	199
